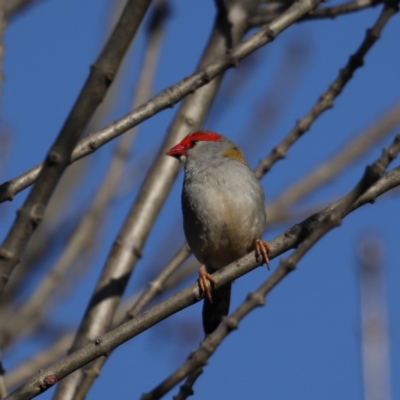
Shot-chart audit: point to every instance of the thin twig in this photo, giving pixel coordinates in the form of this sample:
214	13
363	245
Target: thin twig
167	284
326	99
157	285
326	171
14	7
268	13
50	231
388	182
207	72
270	106
342	9
289	239
59	155
186	389
27	368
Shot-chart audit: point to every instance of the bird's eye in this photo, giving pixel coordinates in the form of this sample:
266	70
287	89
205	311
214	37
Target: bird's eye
193	143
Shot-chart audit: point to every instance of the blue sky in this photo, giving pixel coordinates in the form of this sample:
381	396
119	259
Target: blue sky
305	344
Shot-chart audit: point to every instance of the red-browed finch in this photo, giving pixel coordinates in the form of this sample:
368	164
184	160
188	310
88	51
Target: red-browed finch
223	212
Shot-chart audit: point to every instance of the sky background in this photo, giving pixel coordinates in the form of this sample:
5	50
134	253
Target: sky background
305	344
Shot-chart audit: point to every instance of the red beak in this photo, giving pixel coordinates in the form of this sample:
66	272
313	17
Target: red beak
176	151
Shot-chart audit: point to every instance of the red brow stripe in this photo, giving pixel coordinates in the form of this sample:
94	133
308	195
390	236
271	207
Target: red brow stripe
204	136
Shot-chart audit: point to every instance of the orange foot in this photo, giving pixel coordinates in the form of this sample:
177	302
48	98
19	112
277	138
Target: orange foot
204	276
262	251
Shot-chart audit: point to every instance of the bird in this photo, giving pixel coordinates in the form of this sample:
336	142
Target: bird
223	213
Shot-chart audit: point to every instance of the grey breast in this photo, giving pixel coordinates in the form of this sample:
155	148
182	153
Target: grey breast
223	211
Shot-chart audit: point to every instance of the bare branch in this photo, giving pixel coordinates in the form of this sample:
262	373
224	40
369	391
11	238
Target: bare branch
27	317
59	155
155	287
186	389
270	106
3	387
326	171
49	233
289	239
13	7
342	9
386	183
27	368
170	96
326	100
166	283
270	11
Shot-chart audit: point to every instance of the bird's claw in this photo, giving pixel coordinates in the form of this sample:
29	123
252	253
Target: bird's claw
262	251
204	279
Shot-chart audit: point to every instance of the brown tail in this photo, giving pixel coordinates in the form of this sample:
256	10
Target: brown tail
215	311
